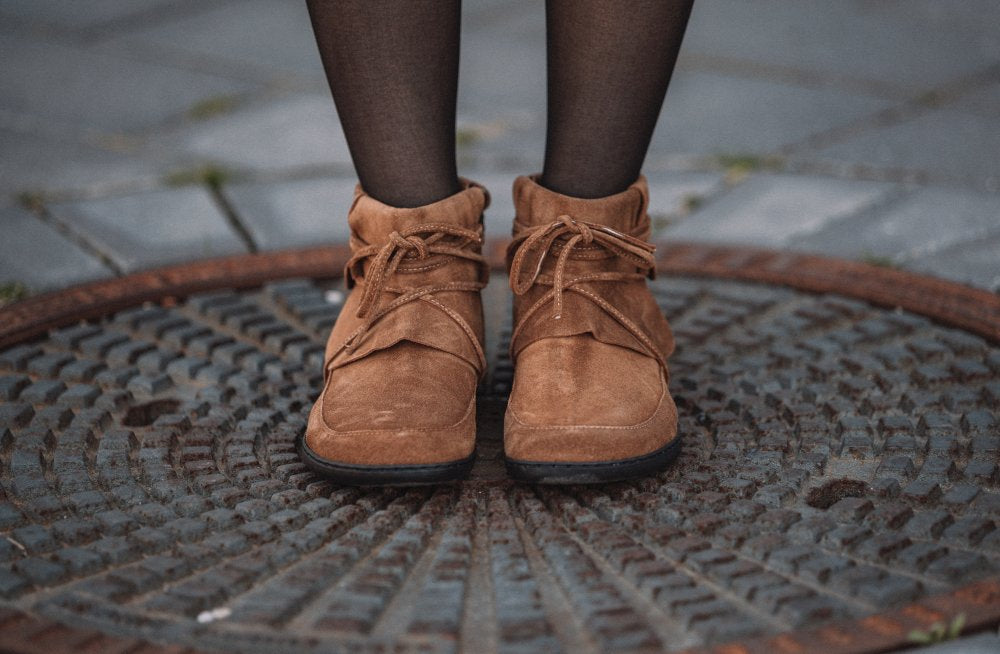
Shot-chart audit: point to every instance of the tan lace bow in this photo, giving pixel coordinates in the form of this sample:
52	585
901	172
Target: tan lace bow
592	236
411	245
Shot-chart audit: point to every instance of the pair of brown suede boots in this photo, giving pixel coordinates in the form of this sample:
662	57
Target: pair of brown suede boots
589	401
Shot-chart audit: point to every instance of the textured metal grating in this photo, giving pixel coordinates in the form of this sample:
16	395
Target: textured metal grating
840	460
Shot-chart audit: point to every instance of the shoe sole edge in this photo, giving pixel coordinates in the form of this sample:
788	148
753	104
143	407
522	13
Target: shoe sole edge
356	474
593	472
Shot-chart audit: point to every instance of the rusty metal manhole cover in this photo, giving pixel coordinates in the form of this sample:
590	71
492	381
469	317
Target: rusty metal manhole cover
840	461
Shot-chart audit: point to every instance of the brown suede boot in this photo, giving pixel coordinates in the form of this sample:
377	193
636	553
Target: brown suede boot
590	346
403	360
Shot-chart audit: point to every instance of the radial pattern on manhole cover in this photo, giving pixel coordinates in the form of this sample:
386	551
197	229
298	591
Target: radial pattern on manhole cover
839	460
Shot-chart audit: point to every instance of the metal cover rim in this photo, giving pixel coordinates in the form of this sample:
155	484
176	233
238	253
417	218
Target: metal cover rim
949	303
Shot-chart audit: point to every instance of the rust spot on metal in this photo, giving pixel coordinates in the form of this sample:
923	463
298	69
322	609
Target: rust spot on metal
983	594
923	614
837	635
788	644
732	649
882	625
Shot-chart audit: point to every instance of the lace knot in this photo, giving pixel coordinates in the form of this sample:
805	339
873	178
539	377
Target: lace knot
409	243
571	233
576	227
417	242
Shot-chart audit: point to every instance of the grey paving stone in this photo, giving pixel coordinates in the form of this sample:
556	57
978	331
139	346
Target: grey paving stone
298	130
984	101
272	38
501	91
503	57
916	47
501	140
152	229
34	162
948	143
37	255
773	210
671	193
294	214
975	262
918	224
67	15
706	113
53	81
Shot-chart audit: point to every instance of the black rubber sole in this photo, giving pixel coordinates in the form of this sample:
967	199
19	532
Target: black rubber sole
598	472
350	474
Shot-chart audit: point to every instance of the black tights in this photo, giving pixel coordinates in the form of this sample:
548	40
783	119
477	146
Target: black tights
393	71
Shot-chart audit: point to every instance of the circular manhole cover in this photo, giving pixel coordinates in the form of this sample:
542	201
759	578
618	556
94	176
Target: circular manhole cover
840	461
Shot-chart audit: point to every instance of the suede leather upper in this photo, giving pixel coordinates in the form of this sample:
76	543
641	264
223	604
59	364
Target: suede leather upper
590	345
406	353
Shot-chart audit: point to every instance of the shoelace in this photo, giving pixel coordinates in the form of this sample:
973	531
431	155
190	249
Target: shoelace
578	232
413	243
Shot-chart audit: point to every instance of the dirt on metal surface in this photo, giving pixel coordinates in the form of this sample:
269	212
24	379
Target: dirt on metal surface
838	487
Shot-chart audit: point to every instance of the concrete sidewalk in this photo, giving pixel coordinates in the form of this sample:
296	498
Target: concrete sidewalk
145	133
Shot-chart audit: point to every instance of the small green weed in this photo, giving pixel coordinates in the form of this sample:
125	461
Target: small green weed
11	292
877	260
466	136
691	202
211	107
31	200
939	631
744	161
739	165
661	221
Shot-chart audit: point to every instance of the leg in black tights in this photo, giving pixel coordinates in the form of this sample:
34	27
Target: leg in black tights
609	63
393	71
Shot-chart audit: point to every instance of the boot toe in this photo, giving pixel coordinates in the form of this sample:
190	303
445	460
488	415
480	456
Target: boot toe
577	400
405	406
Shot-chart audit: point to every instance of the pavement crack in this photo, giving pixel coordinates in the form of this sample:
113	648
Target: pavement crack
866	214
142	19
919	105
77	238
751	69
232	217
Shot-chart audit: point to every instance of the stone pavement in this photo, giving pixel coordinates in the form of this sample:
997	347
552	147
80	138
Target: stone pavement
145	133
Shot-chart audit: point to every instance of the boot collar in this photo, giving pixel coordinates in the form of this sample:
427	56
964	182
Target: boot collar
371	221
626	211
